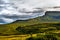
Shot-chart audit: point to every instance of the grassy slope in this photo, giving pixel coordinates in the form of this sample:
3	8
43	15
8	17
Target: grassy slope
10	28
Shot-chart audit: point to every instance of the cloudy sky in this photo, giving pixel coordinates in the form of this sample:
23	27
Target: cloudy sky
12	10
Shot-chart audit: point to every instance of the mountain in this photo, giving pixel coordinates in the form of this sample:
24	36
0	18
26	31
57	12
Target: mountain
49	18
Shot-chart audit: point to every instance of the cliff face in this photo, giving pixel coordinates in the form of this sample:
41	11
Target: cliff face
51	16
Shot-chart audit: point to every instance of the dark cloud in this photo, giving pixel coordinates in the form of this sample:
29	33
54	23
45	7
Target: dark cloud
2	21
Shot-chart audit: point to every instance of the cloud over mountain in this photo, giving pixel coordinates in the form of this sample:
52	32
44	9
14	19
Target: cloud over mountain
12	10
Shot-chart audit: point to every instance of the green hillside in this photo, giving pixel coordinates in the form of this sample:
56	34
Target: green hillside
44	29
11	28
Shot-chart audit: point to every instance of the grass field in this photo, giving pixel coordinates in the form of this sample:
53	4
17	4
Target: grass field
9	32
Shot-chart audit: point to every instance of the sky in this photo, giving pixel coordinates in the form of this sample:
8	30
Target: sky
12	10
